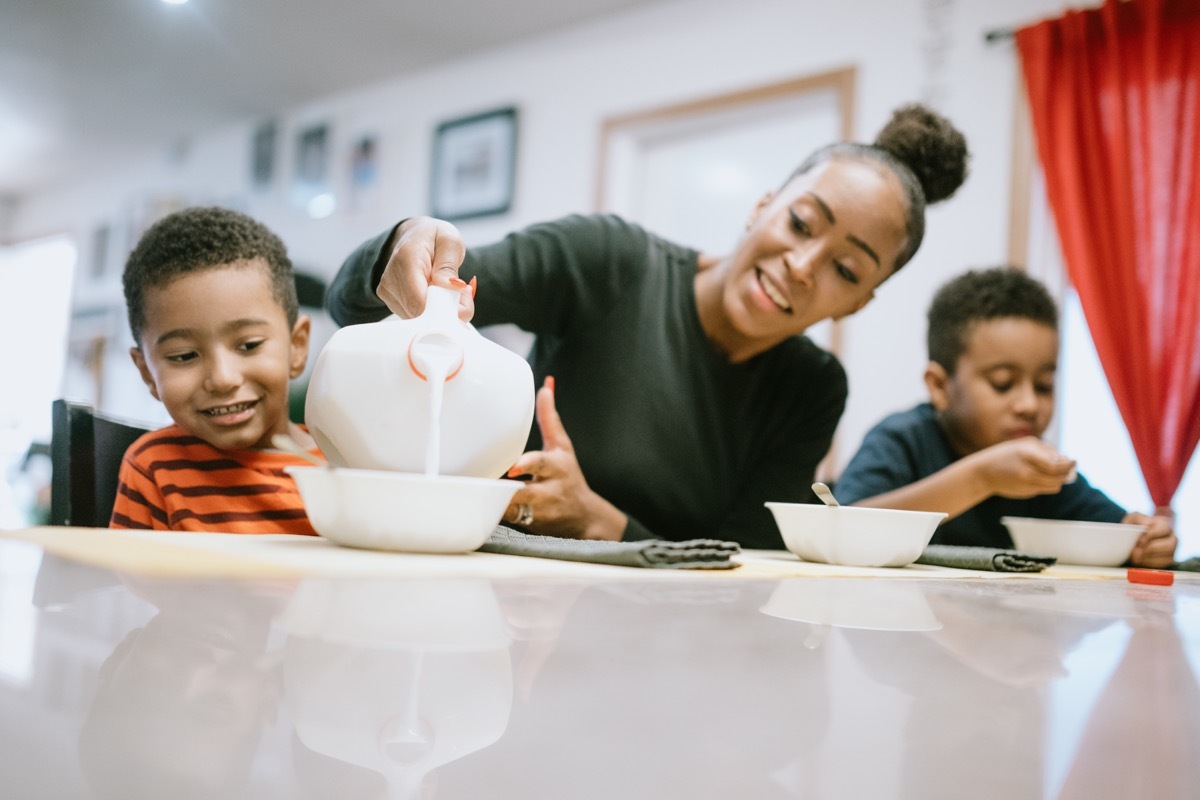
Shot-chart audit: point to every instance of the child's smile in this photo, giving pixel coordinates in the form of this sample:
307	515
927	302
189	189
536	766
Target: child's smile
232	414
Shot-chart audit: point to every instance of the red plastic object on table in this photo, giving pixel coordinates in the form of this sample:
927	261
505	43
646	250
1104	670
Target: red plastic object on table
1154	577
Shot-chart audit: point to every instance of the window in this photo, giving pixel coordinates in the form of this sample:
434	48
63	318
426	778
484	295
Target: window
35	310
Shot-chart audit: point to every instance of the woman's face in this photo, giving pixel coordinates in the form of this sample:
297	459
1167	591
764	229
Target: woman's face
815	250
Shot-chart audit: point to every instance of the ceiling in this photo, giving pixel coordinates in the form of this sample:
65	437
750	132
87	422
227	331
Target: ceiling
86	82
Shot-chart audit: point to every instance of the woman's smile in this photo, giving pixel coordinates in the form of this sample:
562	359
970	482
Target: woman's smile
770	295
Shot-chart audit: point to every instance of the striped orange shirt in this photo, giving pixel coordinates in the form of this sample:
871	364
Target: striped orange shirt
171	480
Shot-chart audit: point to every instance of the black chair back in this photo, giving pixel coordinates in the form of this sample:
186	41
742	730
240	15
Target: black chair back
86	449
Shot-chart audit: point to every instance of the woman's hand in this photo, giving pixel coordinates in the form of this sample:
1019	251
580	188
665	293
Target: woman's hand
424	252
1022	468
1156	546
558	497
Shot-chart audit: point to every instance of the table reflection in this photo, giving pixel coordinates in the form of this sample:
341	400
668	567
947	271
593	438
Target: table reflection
878	606
395	679
182	701
643	686
1147	719
981	685
661	689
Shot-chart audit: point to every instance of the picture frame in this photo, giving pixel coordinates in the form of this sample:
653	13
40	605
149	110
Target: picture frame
264	147
101	245
363	172
312	171
474	165
312	157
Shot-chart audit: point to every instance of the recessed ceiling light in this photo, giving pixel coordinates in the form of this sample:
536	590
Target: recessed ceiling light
174	2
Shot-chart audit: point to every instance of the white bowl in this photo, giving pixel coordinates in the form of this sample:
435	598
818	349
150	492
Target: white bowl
853	536
384	510
1093	544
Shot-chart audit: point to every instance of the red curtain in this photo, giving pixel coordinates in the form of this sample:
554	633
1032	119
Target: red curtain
1114	94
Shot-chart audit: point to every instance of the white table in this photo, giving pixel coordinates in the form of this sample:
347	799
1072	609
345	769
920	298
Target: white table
222	668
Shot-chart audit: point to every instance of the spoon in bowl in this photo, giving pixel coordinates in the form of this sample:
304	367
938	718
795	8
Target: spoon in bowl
822	491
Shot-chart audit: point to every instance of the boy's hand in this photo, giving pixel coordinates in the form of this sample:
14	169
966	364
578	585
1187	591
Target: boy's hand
424	252
1023	468
1156	546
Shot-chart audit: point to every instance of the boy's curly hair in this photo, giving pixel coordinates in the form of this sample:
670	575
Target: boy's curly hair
980	295
200	238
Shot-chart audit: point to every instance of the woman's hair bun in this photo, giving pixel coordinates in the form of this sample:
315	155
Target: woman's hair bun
929	145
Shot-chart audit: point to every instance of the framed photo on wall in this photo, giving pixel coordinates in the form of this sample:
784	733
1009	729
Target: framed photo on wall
312	182
312	157
101	245
263	151
474	165
364	173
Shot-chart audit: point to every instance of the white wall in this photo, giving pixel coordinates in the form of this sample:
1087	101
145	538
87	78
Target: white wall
566	84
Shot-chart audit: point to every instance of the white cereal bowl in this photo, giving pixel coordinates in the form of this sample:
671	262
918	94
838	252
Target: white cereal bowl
855	537
1093	544
382	510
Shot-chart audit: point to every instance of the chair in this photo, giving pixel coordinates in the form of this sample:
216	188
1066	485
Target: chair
86	449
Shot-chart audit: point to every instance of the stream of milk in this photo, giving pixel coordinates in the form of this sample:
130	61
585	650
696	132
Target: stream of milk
437	357
433	448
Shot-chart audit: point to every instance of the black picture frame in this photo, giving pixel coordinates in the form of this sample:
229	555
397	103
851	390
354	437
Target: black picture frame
312	157
474	165
264	146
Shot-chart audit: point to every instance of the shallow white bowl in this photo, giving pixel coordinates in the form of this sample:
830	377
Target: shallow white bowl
401	511
852	536
1093	544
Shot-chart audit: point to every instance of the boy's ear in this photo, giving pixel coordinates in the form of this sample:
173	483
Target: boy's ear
936	381
299	351
139	361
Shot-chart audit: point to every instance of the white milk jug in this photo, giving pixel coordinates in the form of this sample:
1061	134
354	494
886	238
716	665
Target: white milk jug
425	395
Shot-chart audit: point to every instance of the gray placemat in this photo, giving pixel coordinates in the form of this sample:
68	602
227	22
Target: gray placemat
1187	565
990	559
653	553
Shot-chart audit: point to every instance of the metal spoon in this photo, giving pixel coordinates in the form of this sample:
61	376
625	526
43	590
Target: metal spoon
822	491
285	442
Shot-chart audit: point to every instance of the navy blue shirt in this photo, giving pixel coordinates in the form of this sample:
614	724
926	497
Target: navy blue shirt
911	445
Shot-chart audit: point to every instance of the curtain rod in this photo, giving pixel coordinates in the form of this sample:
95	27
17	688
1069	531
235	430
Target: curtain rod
998	35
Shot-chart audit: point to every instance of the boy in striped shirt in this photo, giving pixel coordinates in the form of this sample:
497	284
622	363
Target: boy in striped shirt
217	337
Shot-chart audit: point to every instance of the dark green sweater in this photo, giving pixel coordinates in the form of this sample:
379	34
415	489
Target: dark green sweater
685	443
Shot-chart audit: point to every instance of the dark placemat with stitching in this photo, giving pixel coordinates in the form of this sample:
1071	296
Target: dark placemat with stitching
652	553
985	558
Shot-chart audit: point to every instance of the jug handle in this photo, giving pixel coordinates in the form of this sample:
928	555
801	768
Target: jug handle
441	315
417	340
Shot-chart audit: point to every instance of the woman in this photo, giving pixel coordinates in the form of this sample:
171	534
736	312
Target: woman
691	395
